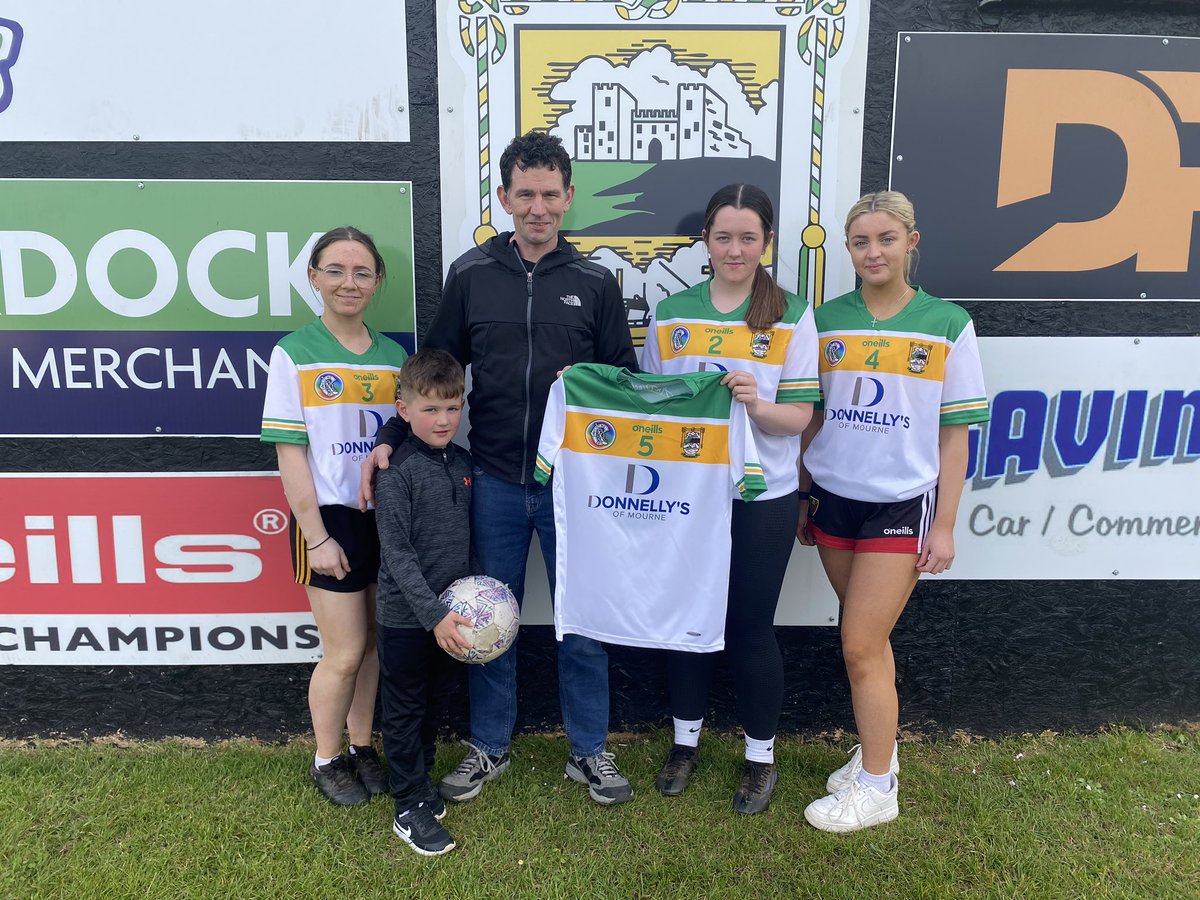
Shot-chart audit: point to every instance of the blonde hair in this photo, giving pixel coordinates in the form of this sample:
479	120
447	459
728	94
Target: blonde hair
896	205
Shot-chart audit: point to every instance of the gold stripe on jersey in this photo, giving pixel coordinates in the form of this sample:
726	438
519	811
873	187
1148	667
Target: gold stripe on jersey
338	384
604	434
723	340
916	356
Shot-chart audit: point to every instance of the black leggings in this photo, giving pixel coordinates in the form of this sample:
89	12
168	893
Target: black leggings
763	533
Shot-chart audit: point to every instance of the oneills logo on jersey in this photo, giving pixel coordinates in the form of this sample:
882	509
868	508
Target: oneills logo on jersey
918	356
692	441
679	338
329	386
760	344
600	434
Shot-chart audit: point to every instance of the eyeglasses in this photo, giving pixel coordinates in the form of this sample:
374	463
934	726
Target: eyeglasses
362	277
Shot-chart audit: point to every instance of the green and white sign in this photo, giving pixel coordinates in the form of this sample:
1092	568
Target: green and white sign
165	297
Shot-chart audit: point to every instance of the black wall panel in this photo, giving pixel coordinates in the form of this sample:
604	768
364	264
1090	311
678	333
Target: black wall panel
982	656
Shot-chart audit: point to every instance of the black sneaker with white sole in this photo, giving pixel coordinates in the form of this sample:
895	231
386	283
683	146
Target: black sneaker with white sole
606	785
336	781
418	828
365	763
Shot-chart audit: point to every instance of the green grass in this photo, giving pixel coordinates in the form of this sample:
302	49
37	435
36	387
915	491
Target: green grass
1108	815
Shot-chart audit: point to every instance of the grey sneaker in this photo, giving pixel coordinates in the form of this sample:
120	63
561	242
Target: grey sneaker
606	784
476	769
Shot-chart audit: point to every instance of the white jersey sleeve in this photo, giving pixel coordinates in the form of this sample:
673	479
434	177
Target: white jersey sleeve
553	431
964	398
283	408
651	357
799	380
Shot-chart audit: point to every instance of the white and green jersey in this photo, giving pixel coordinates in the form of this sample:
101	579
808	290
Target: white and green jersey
645	471
688	334
886	389
322	395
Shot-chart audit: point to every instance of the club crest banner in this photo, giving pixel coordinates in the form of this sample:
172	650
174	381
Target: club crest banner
660	103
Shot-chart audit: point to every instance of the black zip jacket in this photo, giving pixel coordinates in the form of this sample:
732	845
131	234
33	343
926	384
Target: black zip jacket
517	329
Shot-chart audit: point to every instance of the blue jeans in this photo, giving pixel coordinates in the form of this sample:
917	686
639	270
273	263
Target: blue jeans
503	518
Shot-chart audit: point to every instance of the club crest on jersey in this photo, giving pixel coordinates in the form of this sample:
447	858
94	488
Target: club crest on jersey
692	441
835	352
760	344
679	338
600	434
918	356
329	386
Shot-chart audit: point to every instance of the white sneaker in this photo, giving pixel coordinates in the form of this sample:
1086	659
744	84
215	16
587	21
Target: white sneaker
853	808
849	772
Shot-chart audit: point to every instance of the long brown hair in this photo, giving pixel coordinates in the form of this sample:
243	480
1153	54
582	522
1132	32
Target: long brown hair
767	300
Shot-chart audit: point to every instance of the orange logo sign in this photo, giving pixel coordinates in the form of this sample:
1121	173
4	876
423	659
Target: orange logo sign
1153	219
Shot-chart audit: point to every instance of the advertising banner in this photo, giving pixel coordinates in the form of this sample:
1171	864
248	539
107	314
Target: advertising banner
151	307
1052	166
149	570
1087	469
76	70
660	104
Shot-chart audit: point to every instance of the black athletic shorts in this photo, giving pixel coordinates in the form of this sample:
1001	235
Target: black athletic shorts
355	531
845	524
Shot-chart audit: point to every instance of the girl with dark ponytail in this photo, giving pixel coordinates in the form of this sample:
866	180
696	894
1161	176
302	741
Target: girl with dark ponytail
742	322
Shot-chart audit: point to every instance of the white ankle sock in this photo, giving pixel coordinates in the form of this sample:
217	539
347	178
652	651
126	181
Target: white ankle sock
687	731
885	784
760	751
319	761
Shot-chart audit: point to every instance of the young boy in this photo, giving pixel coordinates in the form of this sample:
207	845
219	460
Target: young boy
423	504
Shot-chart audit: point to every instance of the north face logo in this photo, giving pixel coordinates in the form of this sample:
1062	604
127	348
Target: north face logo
570	300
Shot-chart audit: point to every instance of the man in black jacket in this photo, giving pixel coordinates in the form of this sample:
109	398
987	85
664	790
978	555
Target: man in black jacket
518	310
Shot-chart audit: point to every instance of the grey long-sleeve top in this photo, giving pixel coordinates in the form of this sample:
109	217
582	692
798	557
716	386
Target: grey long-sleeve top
423	503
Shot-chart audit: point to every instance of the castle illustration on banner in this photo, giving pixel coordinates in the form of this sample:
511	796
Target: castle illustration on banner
652	131
658	116
695	127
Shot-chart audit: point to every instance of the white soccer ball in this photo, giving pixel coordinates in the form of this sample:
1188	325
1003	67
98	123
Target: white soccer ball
493	609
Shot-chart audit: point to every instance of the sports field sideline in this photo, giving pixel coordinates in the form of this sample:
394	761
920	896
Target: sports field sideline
1115	814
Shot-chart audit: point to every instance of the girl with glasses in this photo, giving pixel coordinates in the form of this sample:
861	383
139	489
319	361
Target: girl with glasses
329	387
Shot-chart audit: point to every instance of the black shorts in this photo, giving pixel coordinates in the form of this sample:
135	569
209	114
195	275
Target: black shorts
845	524
355	531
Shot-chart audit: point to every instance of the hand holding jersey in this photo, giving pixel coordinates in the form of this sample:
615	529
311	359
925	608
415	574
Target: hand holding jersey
645	468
